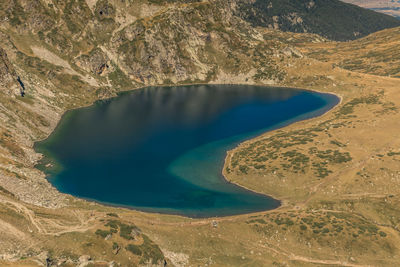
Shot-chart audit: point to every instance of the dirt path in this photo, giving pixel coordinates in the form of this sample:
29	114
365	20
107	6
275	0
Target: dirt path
29	214
292	257
43	225
318	187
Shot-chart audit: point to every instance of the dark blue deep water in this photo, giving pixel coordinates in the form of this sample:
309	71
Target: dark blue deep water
162	149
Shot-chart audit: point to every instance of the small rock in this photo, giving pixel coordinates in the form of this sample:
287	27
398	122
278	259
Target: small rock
116	250
84	258
61	262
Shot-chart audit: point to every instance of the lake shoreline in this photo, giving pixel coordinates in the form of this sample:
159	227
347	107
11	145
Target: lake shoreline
282	202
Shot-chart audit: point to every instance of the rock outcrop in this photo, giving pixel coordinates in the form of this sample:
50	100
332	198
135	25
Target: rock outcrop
97	62
8	75
9	79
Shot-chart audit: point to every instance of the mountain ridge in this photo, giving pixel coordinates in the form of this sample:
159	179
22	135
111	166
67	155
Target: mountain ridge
384	6
332	19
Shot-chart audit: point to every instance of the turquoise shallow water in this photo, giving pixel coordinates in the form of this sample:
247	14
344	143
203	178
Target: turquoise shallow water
162	149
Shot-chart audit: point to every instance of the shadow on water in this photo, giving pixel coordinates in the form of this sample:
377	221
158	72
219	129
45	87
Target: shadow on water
162	149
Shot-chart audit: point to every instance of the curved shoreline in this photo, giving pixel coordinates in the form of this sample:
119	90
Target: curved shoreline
229	153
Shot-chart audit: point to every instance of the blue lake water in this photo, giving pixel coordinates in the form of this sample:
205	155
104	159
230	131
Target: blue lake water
162	149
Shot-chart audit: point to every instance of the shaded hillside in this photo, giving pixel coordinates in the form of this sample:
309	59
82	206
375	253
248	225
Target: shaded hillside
332	19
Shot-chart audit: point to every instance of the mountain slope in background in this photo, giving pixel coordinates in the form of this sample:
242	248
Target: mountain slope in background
389	7
332	19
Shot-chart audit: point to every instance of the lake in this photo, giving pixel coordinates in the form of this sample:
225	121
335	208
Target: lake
162	149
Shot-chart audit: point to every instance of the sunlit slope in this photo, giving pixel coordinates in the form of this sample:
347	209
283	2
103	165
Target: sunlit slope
376	54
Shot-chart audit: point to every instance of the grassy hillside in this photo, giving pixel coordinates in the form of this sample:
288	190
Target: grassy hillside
376	54
332	19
